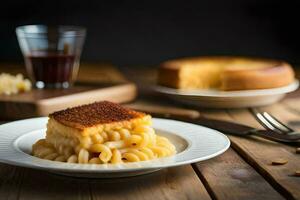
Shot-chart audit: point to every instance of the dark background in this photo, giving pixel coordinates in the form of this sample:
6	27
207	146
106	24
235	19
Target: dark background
135	33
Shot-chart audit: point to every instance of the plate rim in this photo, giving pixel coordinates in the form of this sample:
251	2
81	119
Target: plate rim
85	169
228	94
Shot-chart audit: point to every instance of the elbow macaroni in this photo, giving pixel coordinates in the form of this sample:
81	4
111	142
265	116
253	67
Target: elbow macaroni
139	143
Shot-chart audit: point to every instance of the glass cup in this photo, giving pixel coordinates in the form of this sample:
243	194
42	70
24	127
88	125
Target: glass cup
51	54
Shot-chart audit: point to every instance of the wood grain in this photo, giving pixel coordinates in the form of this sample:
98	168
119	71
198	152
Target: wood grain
260	152
10	181
42	102
93	85
229	177
174	183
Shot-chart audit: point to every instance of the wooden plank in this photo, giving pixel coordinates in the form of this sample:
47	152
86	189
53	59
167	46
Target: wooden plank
229	177
174	183
42	102
97	81
42	185
10	181
260	153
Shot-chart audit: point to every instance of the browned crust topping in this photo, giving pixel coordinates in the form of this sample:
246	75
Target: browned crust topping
89	115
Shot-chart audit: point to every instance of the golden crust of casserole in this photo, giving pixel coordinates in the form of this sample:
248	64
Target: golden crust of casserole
225	73
95	114
54	126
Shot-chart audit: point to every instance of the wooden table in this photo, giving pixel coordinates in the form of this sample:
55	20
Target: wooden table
243	172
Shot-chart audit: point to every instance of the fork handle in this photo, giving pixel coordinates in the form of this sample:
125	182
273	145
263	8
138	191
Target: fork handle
271	135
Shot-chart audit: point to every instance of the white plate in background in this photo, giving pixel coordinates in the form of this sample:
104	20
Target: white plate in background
194	143
213	98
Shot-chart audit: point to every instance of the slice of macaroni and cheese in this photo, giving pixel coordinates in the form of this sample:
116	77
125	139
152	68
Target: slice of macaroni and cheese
101	132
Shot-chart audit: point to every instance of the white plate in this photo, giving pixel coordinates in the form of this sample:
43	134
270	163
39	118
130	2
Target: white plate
228	99
193	143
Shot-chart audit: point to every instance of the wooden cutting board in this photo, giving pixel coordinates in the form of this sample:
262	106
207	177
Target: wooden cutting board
95	83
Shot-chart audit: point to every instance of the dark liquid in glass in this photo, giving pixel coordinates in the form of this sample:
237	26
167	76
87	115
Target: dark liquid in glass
50	67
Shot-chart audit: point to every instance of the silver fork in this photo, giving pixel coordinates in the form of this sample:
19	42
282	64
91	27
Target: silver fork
270	122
